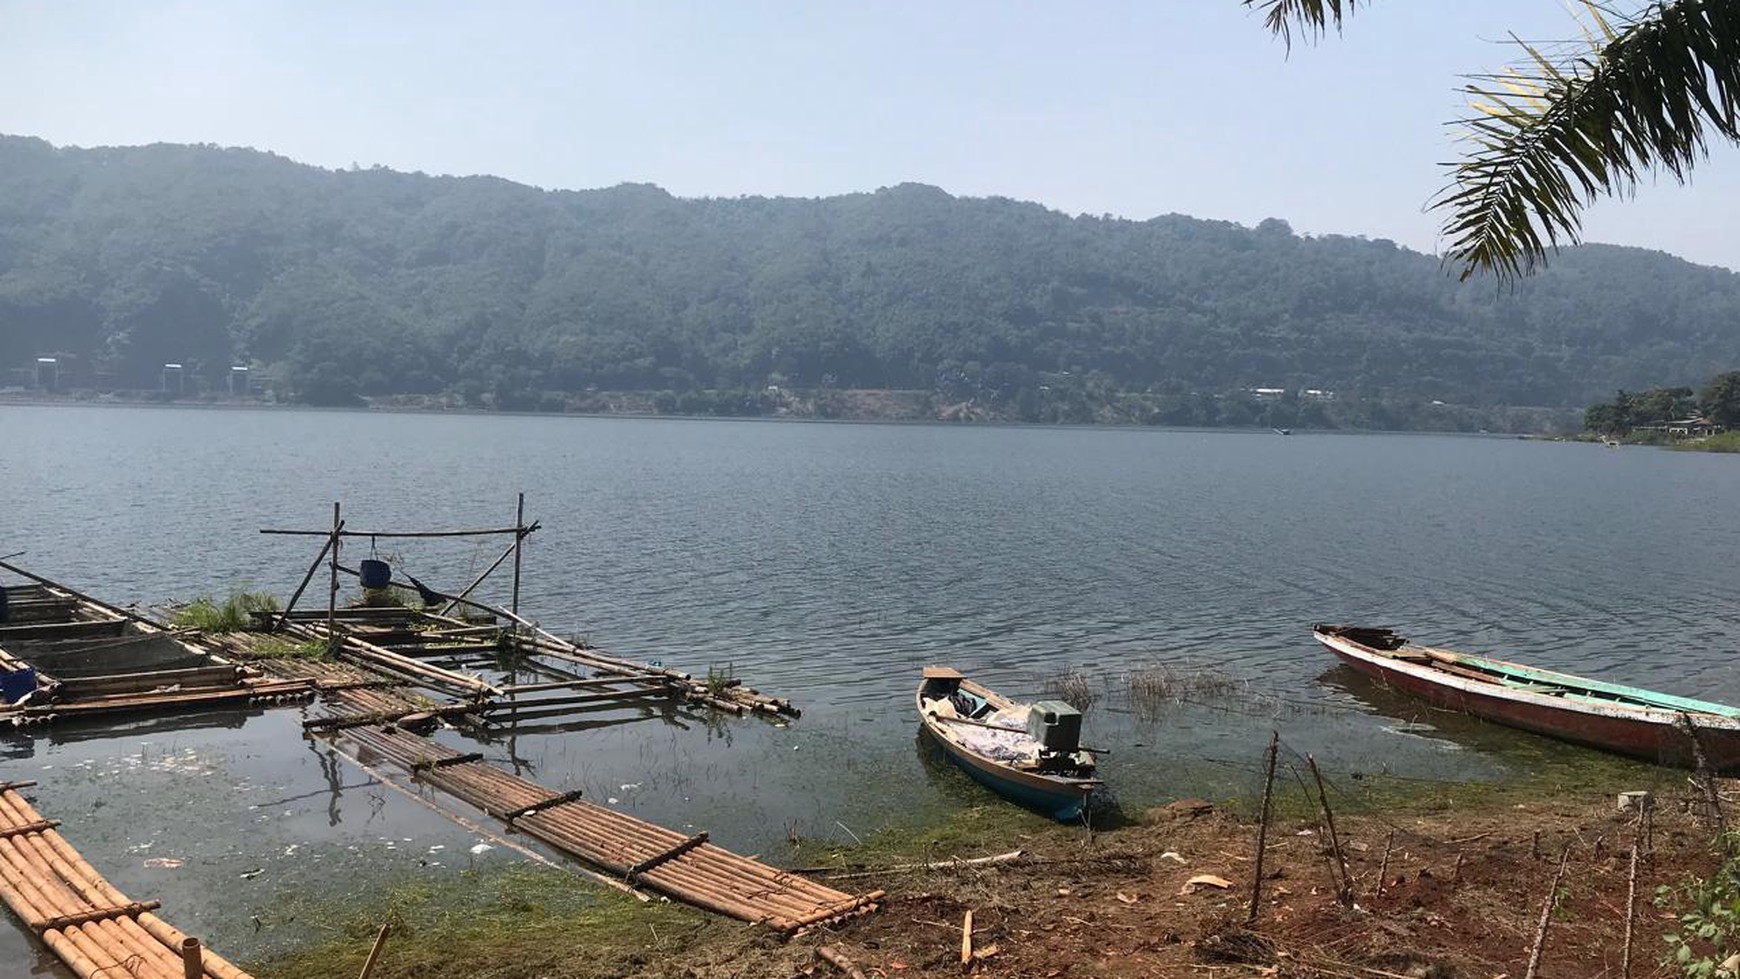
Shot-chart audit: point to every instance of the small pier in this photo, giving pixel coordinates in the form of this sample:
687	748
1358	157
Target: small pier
96	930
640	854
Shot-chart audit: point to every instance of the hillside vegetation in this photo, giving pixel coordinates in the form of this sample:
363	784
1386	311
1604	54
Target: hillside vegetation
334	284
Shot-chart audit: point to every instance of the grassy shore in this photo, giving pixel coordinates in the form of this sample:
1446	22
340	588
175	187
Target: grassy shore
1448	880
1725	442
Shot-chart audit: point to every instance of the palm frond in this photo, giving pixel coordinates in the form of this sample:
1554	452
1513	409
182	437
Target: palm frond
1557	130
1311	18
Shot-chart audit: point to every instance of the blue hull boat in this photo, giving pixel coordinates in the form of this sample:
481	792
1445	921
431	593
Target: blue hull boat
989	737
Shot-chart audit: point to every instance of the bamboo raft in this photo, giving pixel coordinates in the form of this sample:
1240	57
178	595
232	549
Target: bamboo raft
641	854
92	927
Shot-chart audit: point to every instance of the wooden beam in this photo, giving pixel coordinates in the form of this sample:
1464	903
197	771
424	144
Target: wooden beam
538	806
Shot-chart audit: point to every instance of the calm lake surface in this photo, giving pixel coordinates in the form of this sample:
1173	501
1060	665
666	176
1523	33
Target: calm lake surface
828	563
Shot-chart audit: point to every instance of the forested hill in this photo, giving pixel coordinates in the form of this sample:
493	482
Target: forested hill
118	260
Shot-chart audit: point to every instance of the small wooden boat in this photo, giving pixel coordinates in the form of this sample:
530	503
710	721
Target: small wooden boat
1628	720
1028	753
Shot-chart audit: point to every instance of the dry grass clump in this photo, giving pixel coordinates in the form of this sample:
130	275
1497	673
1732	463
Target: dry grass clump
1152	688
1073	687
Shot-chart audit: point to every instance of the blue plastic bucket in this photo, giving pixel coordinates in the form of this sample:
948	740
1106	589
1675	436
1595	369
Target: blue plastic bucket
15	685
375	574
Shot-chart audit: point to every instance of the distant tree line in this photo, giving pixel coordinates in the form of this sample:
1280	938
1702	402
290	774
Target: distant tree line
340	286
1717	403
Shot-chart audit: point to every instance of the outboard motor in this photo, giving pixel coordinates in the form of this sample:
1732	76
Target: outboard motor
1055	725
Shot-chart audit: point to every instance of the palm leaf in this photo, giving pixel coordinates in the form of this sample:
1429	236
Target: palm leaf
1555	132
1311	18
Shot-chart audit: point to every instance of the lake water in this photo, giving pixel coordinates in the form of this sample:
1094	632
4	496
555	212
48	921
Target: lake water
828	563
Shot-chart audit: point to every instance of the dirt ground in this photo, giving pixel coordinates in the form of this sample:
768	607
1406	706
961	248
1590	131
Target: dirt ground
1459	895
1450	889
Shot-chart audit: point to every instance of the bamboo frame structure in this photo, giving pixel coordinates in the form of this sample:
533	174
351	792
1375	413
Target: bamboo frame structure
100	635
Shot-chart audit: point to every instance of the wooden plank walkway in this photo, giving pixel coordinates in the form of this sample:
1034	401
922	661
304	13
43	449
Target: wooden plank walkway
94	928
685	868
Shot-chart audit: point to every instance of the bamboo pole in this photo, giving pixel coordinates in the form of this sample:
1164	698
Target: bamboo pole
519	545
578	683
375	952
332	593
456	599
312	568
382	657
579	699
1263	827
397	534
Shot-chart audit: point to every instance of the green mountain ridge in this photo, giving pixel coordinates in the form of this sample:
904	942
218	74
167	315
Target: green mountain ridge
378	282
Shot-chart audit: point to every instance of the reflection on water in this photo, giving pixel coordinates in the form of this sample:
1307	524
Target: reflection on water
829	563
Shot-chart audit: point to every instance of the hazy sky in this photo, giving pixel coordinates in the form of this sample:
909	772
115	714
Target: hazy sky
1135	109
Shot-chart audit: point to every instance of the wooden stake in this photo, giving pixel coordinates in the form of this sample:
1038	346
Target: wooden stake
375	953
1631	889
1344	883
519	543
967	938
1546	915
1384	864
1263	827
